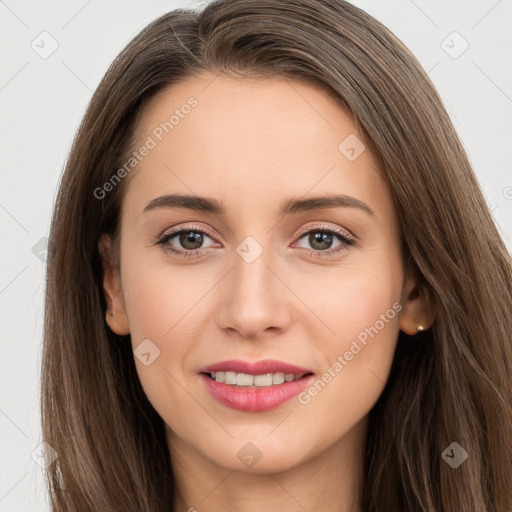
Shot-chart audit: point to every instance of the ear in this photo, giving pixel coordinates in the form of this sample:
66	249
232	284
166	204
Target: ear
115	315
417	311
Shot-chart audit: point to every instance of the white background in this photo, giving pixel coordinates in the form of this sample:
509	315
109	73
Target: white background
43	100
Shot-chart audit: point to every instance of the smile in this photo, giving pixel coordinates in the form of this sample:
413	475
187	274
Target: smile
247	380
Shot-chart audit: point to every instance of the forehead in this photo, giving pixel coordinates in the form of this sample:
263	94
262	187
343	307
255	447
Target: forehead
251	139
247	108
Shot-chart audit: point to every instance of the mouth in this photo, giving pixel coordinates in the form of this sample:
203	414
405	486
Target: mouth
255	387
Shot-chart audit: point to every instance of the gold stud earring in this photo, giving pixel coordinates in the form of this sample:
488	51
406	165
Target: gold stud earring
419	326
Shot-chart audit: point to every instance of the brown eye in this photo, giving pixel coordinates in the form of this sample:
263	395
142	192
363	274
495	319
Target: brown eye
320	241
185	242
325	241
191	239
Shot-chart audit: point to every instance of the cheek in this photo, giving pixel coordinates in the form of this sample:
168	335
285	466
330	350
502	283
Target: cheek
159	299
170	308
157	312
360	313
352	380
349	300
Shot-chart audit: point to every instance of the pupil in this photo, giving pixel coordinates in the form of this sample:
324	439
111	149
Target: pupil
324	240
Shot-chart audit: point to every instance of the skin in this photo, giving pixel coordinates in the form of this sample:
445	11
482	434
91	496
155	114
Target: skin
253	144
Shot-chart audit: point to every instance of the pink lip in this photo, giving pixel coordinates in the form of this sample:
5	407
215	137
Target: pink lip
257	368
255	399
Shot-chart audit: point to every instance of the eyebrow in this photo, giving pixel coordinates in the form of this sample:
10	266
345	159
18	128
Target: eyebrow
210	205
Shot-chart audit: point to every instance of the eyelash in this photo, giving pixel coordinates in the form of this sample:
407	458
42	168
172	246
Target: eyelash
346	240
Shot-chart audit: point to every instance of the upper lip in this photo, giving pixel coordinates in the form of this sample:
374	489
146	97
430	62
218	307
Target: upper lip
255	368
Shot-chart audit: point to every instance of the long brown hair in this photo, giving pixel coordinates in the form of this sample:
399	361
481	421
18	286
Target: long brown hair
451	383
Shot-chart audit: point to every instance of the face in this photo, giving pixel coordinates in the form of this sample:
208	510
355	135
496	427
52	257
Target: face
258	271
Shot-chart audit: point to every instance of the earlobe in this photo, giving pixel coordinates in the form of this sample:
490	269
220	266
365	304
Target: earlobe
115	315
417	313
412	327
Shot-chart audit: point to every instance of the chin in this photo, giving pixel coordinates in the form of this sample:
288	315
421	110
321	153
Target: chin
256	455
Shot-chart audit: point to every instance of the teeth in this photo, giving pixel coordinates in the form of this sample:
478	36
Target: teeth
263	380
244	379
277	378
229	378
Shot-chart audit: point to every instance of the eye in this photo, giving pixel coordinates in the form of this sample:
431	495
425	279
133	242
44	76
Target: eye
184	242
323	241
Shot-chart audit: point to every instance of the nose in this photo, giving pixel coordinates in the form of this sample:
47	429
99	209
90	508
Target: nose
254	299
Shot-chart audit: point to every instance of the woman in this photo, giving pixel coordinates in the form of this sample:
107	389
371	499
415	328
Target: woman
273	280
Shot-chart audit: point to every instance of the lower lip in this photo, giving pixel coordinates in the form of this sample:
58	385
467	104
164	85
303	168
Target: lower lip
255	399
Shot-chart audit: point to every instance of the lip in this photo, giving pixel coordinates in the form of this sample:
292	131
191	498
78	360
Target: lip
255	368
255	399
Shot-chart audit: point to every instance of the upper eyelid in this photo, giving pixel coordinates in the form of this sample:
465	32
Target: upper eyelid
175	231
324	227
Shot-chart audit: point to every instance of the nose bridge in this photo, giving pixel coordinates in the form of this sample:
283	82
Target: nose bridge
251	260
251	299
